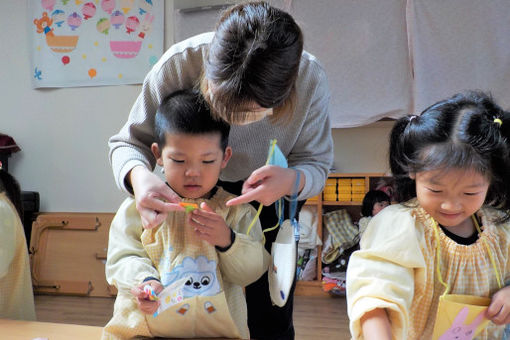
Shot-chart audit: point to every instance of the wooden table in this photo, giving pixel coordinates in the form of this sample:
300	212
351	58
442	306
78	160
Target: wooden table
28	330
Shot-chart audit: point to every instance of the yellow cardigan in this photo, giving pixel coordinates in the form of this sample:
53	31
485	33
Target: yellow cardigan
135	254
16	295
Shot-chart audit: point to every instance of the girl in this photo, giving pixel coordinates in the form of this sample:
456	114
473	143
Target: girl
16	296
451	233
373	202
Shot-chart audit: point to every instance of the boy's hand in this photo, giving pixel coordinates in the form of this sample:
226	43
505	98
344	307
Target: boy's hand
146	305
499	309
210	226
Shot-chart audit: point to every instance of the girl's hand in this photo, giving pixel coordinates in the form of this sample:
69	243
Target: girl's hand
267	184
499	309
152	195
146	305
210	226
376	325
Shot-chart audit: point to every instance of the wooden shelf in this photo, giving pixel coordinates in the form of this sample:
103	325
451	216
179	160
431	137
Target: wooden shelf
333	203
314	288
309	288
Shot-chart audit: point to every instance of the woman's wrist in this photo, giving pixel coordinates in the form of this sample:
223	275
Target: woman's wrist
301	184
133	173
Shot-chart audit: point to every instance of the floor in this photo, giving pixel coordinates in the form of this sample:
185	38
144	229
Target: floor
314	317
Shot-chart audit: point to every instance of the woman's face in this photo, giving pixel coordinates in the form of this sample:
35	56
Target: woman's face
252	114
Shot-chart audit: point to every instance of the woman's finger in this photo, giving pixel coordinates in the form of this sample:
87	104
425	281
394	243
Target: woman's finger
151	218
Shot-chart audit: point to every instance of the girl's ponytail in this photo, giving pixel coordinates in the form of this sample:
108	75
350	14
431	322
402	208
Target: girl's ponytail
399	157
504	125
11	187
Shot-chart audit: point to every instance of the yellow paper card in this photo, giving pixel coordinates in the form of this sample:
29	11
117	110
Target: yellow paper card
460	317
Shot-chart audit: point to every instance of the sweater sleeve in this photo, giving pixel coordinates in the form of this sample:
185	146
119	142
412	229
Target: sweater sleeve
9	222
178	68
381	273
247	259
312	152
127	262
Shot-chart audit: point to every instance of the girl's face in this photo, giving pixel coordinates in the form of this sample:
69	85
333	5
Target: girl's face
378	206
451	196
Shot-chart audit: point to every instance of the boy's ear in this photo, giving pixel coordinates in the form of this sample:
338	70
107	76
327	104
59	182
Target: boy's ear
226	156
157	153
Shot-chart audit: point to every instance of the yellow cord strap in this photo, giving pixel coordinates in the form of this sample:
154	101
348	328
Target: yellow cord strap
259	210
491	256
438	258
438	255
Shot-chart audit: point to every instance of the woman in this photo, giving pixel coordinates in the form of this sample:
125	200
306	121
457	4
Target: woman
254	73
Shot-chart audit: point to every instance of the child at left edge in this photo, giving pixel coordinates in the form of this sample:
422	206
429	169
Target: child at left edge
208	247
16	295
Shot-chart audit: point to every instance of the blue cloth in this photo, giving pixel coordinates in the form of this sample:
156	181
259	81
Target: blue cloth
506	334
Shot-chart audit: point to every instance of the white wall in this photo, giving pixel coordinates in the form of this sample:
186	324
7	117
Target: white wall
362	149
63	133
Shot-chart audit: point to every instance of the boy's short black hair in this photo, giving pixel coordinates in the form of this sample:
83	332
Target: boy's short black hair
372	197
185	111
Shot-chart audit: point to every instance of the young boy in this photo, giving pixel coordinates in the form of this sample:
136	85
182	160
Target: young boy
207	249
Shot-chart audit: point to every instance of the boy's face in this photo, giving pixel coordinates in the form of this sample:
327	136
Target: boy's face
192	162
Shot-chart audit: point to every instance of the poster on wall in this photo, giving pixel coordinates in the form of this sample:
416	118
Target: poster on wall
95	42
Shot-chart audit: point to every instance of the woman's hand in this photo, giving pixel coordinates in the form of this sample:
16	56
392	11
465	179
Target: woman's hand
154	199
210	226
267	184
499	309
146	305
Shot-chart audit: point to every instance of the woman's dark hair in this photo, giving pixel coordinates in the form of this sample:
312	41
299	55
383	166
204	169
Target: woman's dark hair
11	187
253	57
372	197
185	111
466	131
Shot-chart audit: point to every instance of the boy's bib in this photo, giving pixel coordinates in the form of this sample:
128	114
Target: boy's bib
179	255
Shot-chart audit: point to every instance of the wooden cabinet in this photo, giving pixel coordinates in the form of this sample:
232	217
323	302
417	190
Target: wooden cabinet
335	196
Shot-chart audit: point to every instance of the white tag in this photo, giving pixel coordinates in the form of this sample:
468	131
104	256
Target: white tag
171	295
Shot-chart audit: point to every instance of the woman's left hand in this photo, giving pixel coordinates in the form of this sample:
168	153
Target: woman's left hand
499	309
267	184
210	226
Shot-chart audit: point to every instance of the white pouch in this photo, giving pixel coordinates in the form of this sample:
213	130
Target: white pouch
282	270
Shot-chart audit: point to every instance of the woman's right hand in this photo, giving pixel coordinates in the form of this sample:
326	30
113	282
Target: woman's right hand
154	199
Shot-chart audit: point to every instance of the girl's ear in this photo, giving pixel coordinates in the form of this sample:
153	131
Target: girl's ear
157	153
412	175
226	156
